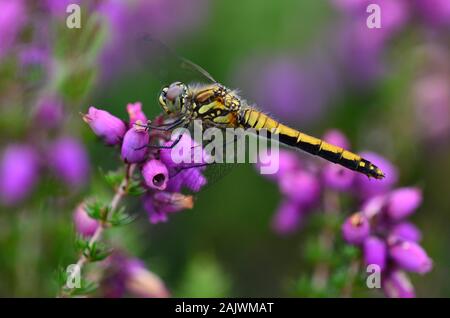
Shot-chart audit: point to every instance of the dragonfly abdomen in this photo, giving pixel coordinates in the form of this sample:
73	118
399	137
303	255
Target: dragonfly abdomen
257	120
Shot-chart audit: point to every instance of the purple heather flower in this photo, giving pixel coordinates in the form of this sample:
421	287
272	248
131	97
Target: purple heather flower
397	285
18	173
59	7
403	202
69	160
435	12
110	128
337	138
356	228
410	256
84	224
360	52
134	146
394	14
160	203
155	214
34	56
368	187
301	186
143	283
432	99
129	275
288	218
49	112
375	251
135	113
184	174
406	231
287	162
191	178
155	173
373	206
337	177
12	19
186	152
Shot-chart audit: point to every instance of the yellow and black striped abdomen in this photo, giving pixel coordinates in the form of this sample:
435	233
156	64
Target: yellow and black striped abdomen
252	118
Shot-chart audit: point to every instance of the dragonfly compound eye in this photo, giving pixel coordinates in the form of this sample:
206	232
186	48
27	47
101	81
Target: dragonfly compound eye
172	98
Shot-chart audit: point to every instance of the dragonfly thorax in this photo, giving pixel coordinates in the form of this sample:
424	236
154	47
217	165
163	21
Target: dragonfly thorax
173	98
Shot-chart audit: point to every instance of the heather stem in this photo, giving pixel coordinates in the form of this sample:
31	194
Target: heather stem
120	192
326	240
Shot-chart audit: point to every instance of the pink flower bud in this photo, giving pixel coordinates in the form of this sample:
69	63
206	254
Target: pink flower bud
108	127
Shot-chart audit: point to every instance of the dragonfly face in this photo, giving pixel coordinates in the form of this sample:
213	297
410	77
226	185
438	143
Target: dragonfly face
173	98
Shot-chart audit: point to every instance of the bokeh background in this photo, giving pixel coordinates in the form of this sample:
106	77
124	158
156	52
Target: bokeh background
312	64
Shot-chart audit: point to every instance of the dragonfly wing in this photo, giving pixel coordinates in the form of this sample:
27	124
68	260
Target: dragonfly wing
165	65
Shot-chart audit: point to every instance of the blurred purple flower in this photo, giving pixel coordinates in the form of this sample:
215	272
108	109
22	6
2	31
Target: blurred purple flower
406	231
13	17
160	203
49	112
301	187
356	228
110	128
410	256
34	56
402	202
359	50
155	173
288	218
129	275
84	224
19	169
397	285
134	146
288	162
434	12
287	87
375	251
366	187
69	160
432	102
337	177
58	7
337	138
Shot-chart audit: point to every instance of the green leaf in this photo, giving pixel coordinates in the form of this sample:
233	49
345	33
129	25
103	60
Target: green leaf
135	188
97	210
81	243
114	178
119	218
98	252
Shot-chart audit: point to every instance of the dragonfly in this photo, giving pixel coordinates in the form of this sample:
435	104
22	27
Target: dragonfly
216	105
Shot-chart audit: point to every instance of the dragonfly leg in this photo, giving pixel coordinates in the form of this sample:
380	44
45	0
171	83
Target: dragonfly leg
173	144
179	169
162	127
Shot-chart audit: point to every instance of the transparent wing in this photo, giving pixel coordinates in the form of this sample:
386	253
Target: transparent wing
164	64
228	151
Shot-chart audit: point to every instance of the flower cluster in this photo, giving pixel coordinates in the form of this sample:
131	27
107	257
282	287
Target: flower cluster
162	178
388	240
380	227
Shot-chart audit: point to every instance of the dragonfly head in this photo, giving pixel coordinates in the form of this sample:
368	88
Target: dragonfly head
173	98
